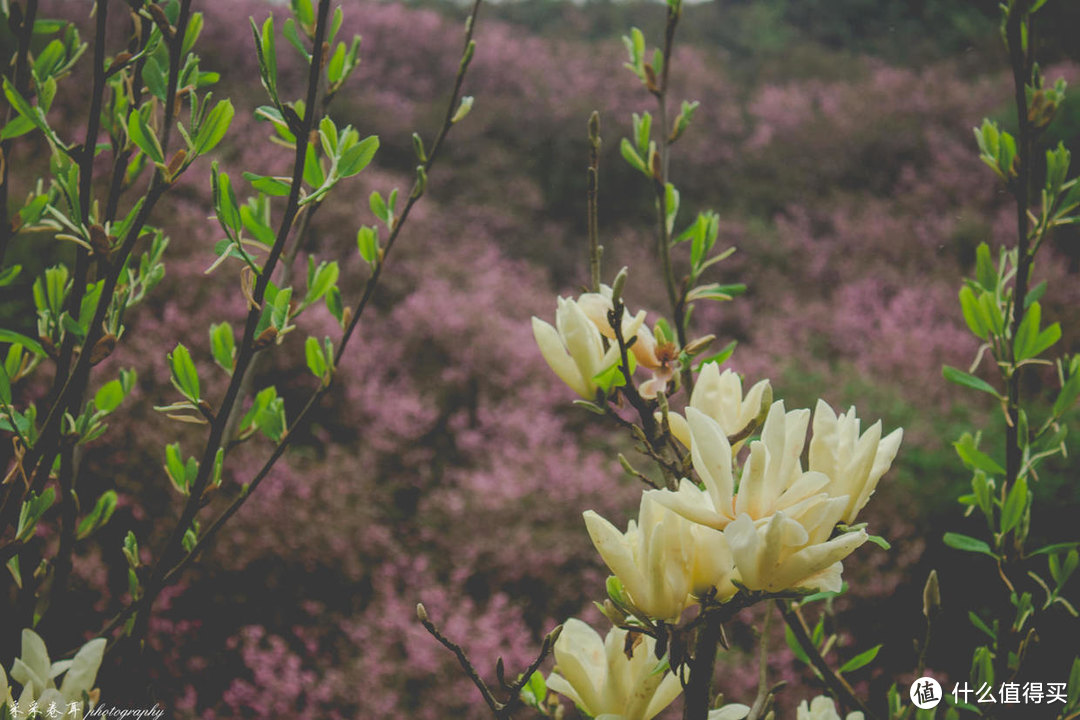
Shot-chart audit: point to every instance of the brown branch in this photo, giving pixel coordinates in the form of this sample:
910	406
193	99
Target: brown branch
500	709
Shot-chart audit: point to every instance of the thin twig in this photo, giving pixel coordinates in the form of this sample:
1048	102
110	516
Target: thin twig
763	669
501	709
840	687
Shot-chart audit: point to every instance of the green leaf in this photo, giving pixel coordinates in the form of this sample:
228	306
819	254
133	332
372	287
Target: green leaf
721	357
223	345
144	138
969	381
970	307
860	660
325	277
1046	339
880	542
316	361
358	157
367	240
985	273
967	544
1015	504
796	648
10	336
269	185
378	207
184	375
974	458
978	623
214	127
109	397
5	386
1068	394
313	172
631	156
102	512
335	67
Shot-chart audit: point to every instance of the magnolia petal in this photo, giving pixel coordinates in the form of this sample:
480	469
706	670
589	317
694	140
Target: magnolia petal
692	503
669	689
551	347
680	429
557	683
711	455
579	657
581	337
84	668
617	554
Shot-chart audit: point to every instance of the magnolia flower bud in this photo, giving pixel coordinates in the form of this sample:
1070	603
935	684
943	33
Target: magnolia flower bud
421	612
931	595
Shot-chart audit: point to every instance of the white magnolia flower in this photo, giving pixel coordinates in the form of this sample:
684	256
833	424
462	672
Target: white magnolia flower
602	681
574	348
663	560
720	396
853	462
772	478
822	708
784	553
37	674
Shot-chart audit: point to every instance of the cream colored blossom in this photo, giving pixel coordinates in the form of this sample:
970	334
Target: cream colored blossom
37	674
663	560
602	681
785	553
720	396
772	479
574	348
822	708
853	462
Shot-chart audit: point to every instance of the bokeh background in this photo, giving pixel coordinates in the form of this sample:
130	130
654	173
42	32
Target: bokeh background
834	137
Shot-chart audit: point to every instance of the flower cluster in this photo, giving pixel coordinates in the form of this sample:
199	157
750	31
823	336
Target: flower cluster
754	522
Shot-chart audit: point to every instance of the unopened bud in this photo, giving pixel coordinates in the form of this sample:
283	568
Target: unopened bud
654	163
175	163
614	615
618	284
325	53
266	338
694	347
931	595
594	128
650	78
99	240
552	636
118	61
421	612
102	348
418	147
161	20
